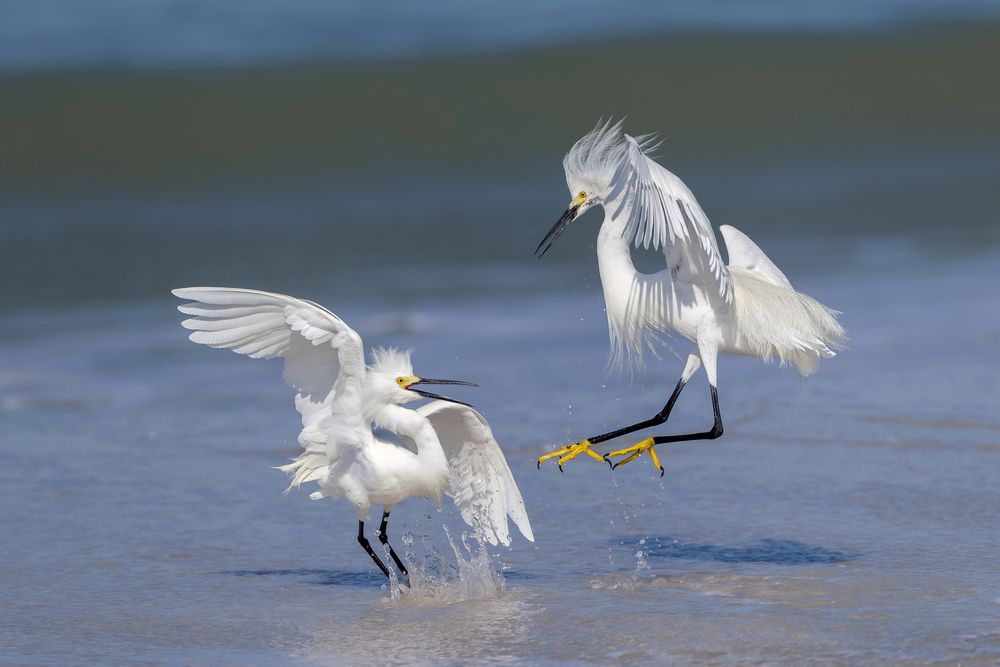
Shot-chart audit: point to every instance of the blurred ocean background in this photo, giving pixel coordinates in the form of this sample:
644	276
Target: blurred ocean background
398	162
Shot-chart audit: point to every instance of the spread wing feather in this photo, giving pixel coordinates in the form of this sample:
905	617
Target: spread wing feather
661	212
480	481
324	360
745	254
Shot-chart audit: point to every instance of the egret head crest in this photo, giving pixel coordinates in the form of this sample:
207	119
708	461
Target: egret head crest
391	361
391	379
591	162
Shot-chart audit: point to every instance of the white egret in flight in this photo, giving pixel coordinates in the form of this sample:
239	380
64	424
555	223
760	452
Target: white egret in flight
747	307
448	446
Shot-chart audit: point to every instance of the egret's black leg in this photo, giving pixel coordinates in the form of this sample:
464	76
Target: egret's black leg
631	453
383	537
659	418
715	432
363	541
569	452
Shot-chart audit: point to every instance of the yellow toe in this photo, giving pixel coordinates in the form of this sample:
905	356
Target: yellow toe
623	452
632	457
582	447
633	452
551	455
656	460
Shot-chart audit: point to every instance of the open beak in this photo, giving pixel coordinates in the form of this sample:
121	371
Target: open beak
427	394
550	238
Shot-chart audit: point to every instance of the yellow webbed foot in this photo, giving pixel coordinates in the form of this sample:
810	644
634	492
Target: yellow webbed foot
633	452
570	452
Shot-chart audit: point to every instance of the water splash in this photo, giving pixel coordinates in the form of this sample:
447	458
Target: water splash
469	574
641	563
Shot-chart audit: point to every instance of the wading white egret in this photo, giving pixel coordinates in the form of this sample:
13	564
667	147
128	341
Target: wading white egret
449	447
748	307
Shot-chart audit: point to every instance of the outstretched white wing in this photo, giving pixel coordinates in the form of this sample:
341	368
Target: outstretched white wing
324	361
661	212
480	481
745	254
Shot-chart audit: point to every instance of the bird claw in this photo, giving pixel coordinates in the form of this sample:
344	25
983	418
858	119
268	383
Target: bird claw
551	455
568	453
632	453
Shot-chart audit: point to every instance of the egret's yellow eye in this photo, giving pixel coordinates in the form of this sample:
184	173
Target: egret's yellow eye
582	195
405	381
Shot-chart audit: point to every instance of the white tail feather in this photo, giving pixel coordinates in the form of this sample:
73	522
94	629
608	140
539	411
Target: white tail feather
774	322
309	466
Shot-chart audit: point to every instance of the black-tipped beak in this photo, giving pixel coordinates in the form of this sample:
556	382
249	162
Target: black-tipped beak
427	394
550	238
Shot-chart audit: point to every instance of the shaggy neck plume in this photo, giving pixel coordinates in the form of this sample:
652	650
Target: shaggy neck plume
634	304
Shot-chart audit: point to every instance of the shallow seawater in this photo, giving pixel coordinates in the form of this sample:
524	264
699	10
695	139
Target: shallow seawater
848	518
